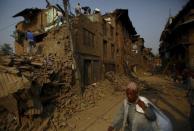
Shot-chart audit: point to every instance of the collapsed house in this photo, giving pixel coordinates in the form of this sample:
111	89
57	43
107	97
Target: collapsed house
176	42
76	51
97	41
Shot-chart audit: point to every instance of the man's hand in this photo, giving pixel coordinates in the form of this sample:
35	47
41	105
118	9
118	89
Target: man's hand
141	104
110	128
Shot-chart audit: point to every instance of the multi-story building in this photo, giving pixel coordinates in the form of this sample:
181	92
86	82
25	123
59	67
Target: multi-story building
176	47
97	43
121	31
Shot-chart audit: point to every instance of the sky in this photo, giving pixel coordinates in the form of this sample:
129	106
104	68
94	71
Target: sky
148	16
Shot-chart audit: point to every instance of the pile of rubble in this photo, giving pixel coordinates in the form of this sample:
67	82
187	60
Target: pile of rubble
118	81
57	111
48	76
7	121
70	102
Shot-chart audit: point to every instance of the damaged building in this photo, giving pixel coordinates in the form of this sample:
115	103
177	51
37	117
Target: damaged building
176	42
98	41
73	52
177	50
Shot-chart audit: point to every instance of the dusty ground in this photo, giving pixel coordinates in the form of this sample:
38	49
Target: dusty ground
95	110
172	100
164	93
100	116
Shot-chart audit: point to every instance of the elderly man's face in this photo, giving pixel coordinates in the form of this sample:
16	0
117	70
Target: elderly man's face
131	95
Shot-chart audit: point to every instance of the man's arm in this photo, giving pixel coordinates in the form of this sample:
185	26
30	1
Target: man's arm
118	120
149	113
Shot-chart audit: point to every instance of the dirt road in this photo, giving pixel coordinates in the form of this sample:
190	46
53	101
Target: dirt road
165	94
172	100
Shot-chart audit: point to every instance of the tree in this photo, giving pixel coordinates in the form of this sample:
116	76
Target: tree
6	49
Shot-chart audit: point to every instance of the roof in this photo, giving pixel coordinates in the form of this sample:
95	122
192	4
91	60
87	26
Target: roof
187	22
186	9
28	12
172	23
10	83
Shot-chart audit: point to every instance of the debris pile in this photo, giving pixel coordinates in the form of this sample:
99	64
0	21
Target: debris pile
118	81
59	104
71	102
7	121
42	79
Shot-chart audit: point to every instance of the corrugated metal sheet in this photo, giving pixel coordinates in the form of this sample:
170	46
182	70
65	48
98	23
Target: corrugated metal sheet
10	83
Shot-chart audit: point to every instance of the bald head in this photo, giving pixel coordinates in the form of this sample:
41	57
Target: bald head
132	92
132	86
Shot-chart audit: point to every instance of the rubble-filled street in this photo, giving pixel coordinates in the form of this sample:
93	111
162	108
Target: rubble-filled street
97	65
164	93
95	110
